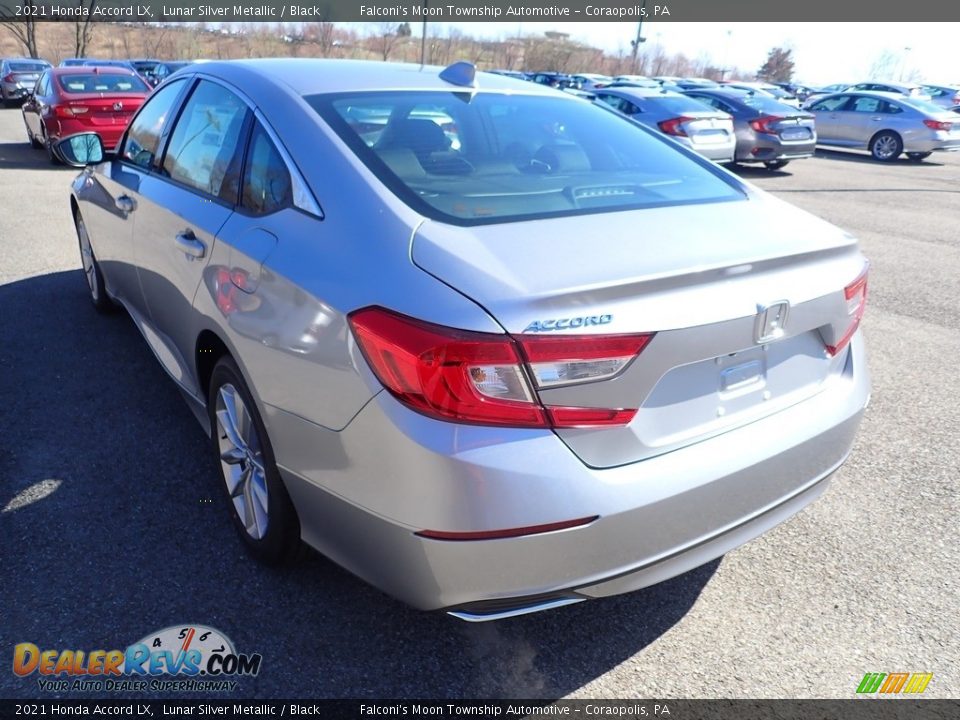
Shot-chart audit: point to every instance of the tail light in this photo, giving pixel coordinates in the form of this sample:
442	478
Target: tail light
674	126
9	78
938	124
762	124
856	296
69	111
489	379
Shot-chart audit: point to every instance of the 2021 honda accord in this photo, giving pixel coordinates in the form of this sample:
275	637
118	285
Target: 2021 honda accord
480	342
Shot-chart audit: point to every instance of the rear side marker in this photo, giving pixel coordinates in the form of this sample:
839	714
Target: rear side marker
506	533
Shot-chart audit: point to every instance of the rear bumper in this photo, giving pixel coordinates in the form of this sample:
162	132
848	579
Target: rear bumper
392	472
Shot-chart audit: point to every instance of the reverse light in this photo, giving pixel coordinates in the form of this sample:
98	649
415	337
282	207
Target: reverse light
856	297
483	378
674	126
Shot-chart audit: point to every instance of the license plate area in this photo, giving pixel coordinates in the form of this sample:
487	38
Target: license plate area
795	134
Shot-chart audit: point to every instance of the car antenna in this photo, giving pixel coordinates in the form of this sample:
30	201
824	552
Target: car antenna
461	73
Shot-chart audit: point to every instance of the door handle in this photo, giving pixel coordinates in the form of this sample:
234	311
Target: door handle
187	243
877	119
125	203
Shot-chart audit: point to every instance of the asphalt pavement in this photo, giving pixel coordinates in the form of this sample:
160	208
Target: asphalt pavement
111	524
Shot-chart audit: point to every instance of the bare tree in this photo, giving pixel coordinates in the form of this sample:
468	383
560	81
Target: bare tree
385	39
884	65
82	30
25	31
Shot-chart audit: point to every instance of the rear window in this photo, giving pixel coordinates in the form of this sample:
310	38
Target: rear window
488	157
922	105
27	67
101	83
766	104
680	105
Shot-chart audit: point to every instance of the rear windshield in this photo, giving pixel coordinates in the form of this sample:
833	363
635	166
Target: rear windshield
27	67
490	157
101	83
922	105
680	105
767	105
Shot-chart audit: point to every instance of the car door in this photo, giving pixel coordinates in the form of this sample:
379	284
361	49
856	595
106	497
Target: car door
181	208
829	112
863	118
108	197
31	108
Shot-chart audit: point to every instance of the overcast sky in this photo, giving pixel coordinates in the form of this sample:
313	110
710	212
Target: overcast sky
824	53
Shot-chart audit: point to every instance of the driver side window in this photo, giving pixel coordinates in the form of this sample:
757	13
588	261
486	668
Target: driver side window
143	138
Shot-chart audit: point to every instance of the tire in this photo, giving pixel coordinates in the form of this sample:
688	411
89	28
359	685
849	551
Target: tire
918	156
776	164
54	160
259	503
91	270
886	146
34	143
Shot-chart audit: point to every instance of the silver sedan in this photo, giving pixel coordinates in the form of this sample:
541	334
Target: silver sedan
886	124
485	345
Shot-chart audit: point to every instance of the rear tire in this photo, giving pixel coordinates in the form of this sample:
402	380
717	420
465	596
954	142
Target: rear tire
259	503
776	164
34	143
91	269
886	146
918	156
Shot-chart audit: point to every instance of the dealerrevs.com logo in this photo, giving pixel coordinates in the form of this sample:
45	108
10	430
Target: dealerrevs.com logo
178	658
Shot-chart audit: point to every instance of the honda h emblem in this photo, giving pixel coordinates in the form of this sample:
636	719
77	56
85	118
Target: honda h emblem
771	321
118	106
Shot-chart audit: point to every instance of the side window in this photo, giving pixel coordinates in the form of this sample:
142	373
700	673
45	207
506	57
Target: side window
611	100
143	137
866	105
889	108
206	146
833	104
628	108
42	85
266	180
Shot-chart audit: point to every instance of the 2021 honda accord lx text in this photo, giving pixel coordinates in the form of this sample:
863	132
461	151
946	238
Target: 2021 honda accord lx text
481	342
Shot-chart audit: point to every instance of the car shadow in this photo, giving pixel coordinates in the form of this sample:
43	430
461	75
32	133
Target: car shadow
854	156
758	171
22	156
114	527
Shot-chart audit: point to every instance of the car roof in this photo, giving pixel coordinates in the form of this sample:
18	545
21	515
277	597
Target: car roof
97	69
642	92
311	76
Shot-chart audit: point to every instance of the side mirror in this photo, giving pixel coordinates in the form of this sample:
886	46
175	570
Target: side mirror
81	150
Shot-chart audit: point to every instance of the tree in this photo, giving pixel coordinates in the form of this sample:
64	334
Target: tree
82	30
25	31
384	39
403	30
778	67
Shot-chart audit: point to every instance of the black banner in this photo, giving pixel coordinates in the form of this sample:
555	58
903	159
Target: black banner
477	10
859	709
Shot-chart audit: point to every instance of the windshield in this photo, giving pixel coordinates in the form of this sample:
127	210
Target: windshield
101	83
489	157
767	105
27	67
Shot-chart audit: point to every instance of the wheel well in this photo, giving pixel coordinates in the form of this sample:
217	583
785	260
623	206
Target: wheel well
74	208
210	349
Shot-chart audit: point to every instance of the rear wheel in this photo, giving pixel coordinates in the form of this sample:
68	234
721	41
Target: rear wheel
34	143
91	269
261	508
918	156
776	164
886	146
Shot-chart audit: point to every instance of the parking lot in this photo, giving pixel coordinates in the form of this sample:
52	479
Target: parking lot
111	525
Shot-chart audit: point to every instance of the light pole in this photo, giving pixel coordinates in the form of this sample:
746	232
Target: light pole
640	38
903	61
726	57
423	37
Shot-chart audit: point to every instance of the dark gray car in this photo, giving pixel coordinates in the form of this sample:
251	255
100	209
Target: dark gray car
685	119
768	131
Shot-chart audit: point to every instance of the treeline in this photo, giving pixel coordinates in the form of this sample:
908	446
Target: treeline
553	51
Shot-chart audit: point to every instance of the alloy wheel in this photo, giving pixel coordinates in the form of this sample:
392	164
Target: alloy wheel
241	457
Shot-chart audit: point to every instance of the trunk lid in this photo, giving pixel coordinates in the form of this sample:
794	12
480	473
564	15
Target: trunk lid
695	275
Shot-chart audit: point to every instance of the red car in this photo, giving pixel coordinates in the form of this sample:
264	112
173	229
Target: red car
70	100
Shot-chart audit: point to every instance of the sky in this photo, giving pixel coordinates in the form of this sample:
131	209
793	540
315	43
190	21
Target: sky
824	53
